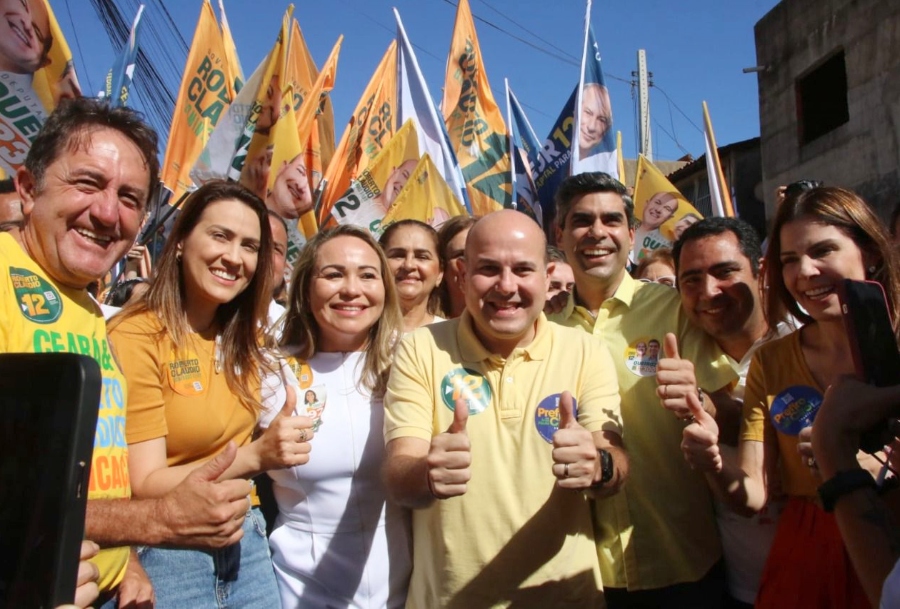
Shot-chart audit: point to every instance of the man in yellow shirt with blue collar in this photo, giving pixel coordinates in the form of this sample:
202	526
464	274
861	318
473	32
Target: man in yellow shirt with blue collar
656	540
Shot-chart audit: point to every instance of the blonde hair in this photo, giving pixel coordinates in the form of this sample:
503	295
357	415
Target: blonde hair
301	330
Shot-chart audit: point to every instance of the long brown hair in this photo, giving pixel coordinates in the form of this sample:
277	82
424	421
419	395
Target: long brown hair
850	214
240	321
301	330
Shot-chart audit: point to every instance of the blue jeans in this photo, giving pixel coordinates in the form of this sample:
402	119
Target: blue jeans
239	576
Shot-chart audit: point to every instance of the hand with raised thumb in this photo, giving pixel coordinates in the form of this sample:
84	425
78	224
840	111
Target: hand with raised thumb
675	379
449	456
285	443
574	453
700	439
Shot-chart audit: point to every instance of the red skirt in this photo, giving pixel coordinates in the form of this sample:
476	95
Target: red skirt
808	566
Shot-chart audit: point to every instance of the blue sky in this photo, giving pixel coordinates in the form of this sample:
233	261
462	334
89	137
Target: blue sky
695	50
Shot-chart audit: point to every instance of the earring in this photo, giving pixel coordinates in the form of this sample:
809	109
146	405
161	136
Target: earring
178	257
871	270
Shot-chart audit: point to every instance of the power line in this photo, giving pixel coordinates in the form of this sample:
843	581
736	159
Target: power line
677	108
663	129
78	46
514	22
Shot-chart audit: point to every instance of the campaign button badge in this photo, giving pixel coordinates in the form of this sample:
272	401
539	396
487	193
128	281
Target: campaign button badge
642	356
546	417
468	385
38	300
795	408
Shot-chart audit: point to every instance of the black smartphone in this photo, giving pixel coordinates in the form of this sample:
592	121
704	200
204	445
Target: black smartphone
873	344
48	417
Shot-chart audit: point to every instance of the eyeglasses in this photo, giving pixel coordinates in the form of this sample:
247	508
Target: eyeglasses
668	280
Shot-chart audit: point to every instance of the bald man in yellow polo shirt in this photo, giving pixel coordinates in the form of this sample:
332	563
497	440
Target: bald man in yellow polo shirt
656	540
484	444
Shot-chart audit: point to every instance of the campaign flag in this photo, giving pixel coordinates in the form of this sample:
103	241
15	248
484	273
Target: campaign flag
234	71
524	148
370	127
594	142
661	210
620	158
552	165
32	81
474	122
223	143
118	79
426	197
373	192
203	98
719	195
416	103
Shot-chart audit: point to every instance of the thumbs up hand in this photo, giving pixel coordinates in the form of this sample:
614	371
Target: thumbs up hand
676	379
449	457
700	439
575	459
285	443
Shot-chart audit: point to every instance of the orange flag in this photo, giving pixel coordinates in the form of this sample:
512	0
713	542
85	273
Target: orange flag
205	94
371	126
475	124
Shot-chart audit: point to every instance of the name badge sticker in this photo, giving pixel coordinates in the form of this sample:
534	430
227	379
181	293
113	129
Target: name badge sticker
642	356
38	300
468	385
795	408
546	416
186	374
314	404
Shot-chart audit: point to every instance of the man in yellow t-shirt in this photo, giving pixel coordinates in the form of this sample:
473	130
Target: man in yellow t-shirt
484	443
84	189
657	539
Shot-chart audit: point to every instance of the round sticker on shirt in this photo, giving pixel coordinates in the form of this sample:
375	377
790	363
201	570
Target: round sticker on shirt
795	408
642	356
314	404
468	385
302	371
546	417
185	374
38	300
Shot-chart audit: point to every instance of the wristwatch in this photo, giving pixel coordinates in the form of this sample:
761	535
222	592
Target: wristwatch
842	484
606	468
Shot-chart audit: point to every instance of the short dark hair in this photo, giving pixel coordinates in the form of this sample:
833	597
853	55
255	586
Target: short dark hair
587	183
120	293
73	122
745	234
7	186
277	216
554	254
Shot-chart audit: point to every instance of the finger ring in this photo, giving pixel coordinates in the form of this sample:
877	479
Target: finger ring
566	471
689	420
811	462
303	435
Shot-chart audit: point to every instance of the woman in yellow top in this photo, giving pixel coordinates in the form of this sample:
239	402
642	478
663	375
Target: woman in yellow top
190	350
819	238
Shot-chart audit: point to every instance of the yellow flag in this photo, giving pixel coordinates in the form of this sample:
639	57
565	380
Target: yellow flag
268	109
233	63
475	124
426	197
204	96
620	158
662	212
373	192
369	130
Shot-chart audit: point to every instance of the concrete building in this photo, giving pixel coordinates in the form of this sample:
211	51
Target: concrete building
829	97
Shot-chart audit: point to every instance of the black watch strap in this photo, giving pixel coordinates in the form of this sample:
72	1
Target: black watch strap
843	483
606	468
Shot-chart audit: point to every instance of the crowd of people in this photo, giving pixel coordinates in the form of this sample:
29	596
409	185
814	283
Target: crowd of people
462	417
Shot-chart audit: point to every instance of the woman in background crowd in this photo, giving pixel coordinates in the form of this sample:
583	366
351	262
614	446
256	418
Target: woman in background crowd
411	248
452	247
657	266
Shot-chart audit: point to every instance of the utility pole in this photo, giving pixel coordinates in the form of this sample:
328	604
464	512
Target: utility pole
646	145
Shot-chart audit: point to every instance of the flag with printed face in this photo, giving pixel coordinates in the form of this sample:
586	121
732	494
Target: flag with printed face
416	103
719	194
373	192
474	122
370	127
594	142
234	71
252	161
35	74
552	166
204	96
661	210
426	197
524	149
118	80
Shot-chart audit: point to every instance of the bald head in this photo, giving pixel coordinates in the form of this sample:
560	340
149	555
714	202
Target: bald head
505	279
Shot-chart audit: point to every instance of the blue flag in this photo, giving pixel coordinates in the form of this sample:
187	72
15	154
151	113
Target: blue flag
118	79
524	148
553	161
